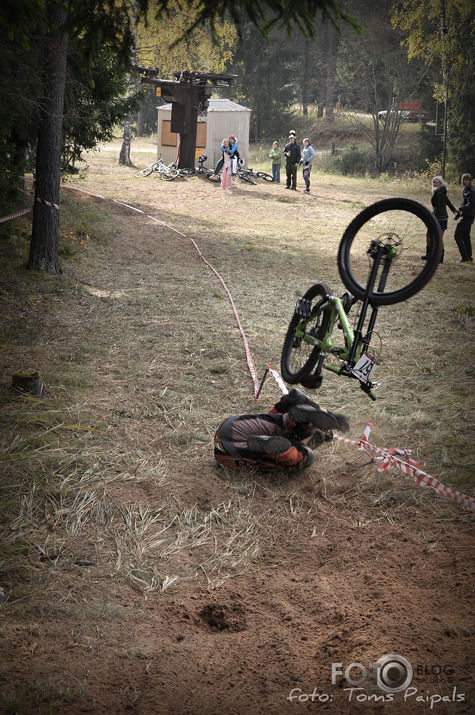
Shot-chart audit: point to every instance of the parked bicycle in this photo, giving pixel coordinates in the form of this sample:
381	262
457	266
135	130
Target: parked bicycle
247	175
379	261
200	169
263	175
167	173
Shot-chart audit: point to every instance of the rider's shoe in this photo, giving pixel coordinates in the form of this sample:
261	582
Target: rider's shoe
320	418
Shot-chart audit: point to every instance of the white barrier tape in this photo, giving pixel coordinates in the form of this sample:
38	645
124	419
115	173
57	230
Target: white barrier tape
389	459
139	211
47	203
76	188
278	379
15	215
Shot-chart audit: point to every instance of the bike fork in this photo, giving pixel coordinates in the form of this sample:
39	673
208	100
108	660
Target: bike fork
367	302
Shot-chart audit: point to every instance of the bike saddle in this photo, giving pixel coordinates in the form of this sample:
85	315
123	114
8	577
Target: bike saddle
347	300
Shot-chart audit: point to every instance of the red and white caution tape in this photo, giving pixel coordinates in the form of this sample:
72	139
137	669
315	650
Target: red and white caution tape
15	215
278	379
392	457
388	458
47	203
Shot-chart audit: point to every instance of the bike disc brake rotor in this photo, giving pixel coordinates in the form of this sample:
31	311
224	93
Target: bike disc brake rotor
403	236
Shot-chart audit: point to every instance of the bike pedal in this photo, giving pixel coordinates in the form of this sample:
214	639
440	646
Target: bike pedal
311	382
303	307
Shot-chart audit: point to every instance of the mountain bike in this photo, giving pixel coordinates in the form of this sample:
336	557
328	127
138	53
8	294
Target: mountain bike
264	176
379	261
167	173
247	175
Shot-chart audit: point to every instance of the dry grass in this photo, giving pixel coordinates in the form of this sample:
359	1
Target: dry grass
142	359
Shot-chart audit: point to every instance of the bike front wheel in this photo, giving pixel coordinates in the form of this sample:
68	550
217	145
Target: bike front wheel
144	172
265	177
169	175
405	227
298	356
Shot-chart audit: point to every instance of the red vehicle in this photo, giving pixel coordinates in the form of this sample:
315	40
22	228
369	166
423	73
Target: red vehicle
410	111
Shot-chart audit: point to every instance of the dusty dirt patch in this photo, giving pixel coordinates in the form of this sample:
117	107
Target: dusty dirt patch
147	579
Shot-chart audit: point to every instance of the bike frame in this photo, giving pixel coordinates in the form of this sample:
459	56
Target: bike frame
355	343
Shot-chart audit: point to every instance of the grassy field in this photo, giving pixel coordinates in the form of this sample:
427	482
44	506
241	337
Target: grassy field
112	504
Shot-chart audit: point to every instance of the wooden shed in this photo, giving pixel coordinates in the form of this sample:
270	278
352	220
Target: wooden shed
222	119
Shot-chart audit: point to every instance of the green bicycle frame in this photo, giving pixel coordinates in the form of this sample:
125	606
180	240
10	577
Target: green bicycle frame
355	343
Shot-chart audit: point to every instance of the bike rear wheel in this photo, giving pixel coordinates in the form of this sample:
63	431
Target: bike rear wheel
401	224
187	172
264	176
299	357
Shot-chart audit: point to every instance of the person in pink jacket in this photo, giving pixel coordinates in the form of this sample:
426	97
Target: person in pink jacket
226	171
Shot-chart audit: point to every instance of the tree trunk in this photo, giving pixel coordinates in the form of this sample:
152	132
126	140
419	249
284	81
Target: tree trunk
124	156
45	232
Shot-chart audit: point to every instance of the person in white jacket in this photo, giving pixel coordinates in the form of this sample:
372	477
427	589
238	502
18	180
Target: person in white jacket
308	155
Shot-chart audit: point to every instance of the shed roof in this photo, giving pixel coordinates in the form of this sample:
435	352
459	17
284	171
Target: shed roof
218	105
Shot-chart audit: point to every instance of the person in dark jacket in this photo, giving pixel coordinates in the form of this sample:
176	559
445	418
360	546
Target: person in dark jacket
467	212
292	159
282	438
439	201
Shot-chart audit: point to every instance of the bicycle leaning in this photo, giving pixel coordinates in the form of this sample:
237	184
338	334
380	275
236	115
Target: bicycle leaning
246	175
167	173
379	261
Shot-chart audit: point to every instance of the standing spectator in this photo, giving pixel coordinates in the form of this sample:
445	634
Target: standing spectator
308	155
292	159
233	147
227	165
467	212
439	201
276	159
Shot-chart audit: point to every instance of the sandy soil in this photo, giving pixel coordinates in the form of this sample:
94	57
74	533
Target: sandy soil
340	564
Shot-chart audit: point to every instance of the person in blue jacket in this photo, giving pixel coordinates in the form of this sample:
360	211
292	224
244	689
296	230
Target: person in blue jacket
308	155
232	149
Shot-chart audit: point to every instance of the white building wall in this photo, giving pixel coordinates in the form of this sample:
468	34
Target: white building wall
223	118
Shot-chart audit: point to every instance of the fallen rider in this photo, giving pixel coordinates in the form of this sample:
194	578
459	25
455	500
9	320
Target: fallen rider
284	437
